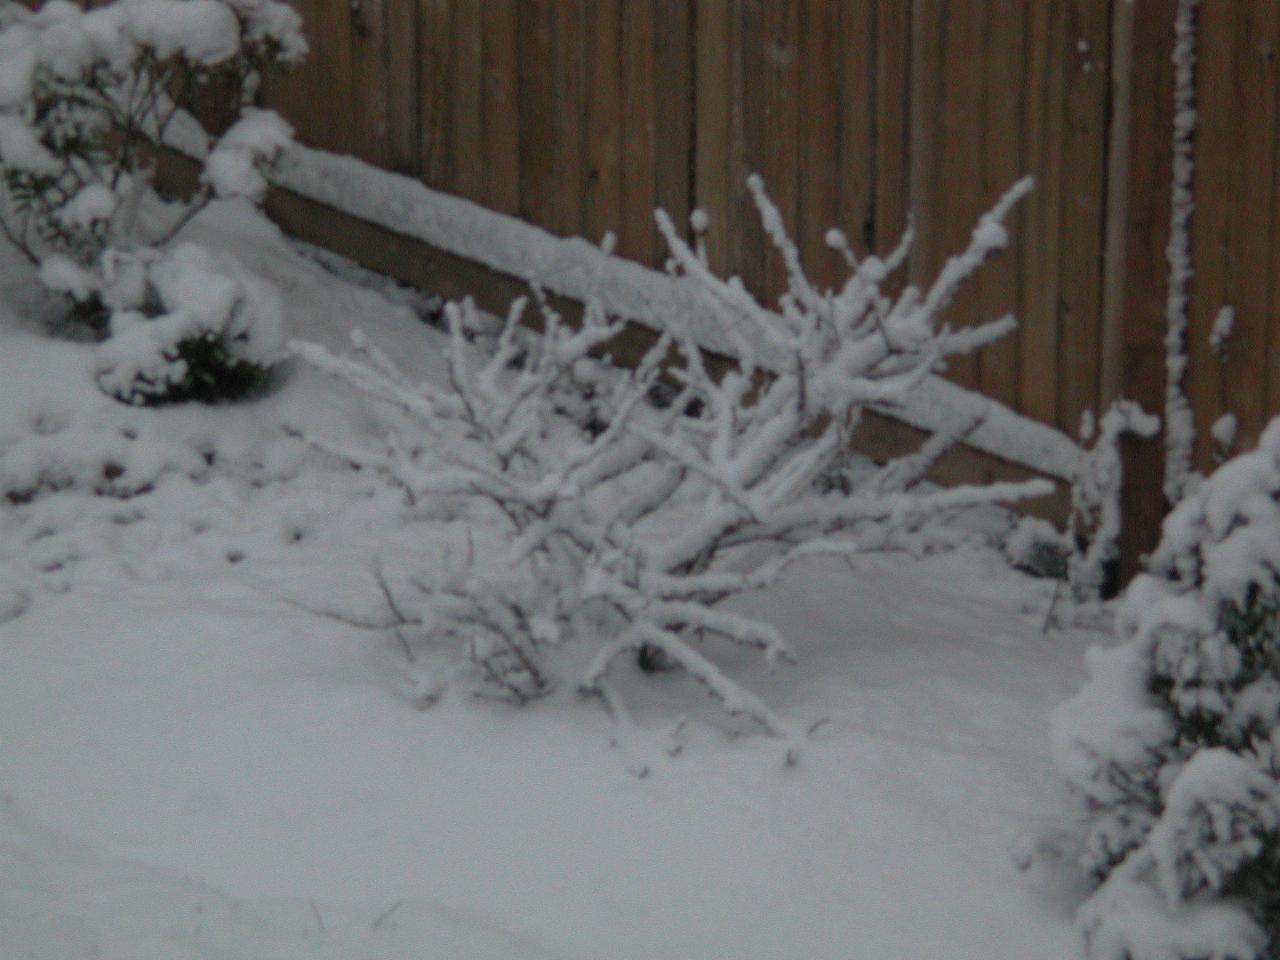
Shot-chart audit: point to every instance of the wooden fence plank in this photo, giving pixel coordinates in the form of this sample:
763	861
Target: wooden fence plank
603	192
500	135
370	81
714	106
928	40
1082	186
436	73
1213	222
958	195
571	79
468	99
778	146
1253	192
855	149
674	101
1003	162
327	67
1145	271
404	114
750	142
637	236
1273	301
819	122
1038	341
539	115
893	83
1111	336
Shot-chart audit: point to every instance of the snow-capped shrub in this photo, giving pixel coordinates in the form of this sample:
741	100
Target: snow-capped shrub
214	334
1174	744
82	94
620	522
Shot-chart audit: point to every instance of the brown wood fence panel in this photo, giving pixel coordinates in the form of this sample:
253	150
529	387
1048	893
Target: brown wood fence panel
582	115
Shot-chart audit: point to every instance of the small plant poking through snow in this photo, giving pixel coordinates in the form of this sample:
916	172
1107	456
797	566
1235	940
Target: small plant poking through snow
1095	499
620	525
187	325
81	96
1174	744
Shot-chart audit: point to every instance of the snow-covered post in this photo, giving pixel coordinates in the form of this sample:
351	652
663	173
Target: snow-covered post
1144	258
1179	419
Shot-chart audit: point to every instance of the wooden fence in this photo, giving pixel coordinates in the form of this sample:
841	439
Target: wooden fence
581	116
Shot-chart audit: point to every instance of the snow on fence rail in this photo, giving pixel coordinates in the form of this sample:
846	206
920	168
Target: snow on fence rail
577	270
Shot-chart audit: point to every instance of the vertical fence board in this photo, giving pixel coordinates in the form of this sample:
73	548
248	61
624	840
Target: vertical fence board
603	191
468	99
539	114
1253	191
500	133
818	99
959	198
1273	271
436	156
370	85
749	142
1081	226
570	76
328	68
928	38
1213	222
1111	335
674	107
637	237
1146	236
779	144
1038	342
714	119
404	114
892	92
851	163
1003	162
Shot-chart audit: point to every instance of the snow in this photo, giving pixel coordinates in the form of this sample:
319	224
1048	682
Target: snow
580	270
203	31
195	762
1179	419
234	168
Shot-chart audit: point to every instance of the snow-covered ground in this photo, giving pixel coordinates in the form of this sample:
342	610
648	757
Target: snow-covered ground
195	762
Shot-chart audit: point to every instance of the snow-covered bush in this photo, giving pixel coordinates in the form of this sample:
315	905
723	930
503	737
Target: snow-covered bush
187	325
626	507
82	97
1174	744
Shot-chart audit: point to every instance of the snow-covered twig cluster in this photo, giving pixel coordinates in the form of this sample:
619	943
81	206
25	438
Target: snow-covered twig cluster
631	505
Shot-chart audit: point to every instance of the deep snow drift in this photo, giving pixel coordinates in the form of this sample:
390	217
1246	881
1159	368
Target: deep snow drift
196	762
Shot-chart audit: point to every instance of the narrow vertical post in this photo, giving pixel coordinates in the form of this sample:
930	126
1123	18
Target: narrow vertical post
1144	270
